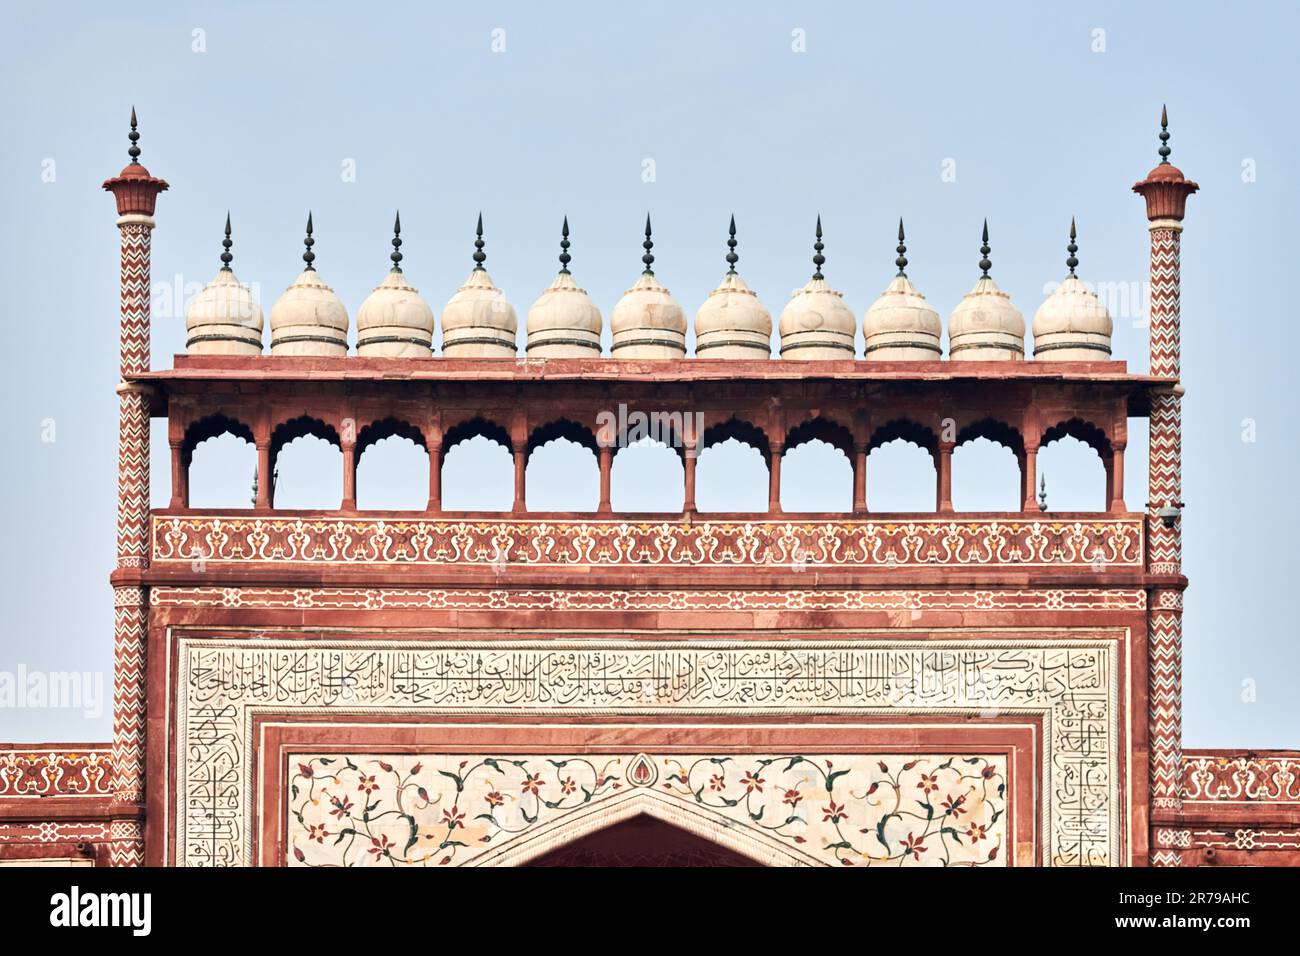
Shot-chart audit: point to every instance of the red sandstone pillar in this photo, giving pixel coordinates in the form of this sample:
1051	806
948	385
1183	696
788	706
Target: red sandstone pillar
860	479
688	466
136	193
178	475
264	489
606	458
943	461
435	479
774	481
1029	478
521	468
349	475
1165	190
1116	480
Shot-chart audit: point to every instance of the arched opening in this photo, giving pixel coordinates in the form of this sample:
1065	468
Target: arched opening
306	465
901	472
392	467
220	463
817	468
1075	459
987	468
563	473
731	472
477	467
647	475
642	840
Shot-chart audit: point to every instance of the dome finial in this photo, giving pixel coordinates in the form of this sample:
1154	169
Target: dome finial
226	257
819	260
1072	248
309	257
1164	149
648	258
134	137
901	261
985	264
396	254
479	255
732	258
565	258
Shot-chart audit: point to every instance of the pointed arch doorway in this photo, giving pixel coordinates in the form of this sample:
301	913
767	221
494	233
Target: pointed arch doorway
641	841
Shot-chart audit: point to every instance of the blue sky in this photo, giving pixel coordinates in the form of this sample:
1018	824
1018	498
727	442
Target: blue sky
1040	116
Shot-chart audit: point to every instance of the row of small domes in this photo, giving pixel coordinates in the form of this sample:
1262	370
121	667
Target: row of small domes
647	323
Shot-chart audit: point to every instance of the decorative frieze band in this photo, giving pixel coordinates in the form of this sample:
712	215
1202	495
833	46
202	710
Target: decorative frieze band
1101	544
55	773
491	599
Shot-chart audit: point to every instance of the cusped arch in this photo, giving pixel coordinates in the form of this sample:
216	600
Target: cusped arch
389	427
693	818
821	429
742	431
473	427
906	429
996	431
212	426
562	428
1085	431
303	425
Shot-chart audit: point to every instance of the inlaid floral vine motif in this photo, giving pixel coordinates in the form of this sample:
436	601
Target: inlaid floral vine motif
838	809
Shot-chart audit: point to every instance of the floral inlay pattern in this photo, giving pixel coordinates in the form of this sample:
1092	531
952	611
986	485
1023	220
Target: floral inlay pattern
1102	543
830	809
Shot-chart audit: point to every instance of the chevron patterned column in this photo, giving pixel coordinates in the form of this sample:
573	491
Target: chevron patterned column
1165	190
136	193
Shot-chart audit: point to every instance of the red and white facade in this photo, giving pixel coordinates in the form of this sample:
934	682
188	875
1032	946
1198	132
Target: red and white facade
841	689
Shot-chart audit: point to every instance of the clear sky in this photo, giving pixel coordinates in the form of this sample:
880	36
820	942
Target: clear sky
1024	113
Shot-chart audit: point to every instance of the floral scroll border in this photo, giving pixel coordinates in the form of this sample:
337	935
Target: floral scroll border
1102	543
214	724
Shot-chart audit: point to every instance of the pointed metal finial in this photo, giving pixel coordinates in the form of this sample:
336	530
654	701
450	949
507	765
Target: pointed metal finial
819	260
134	137
309	257
396	254
1072	248
648	258
565	258
901	261
479	255
1042	493
732	258
226	257
1164	149
985	264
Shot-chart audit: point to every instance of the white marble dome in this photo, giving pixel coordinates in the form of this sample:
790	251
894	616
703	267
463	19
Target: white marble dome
224	319
985	326
648	323
1072	325
394	322
732	323
901	326
564	322
817	324
478	322
309	319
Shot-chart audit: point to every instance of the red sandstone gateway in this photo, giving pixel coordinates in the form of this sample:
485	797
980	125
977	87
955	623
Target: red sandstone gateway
375	688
